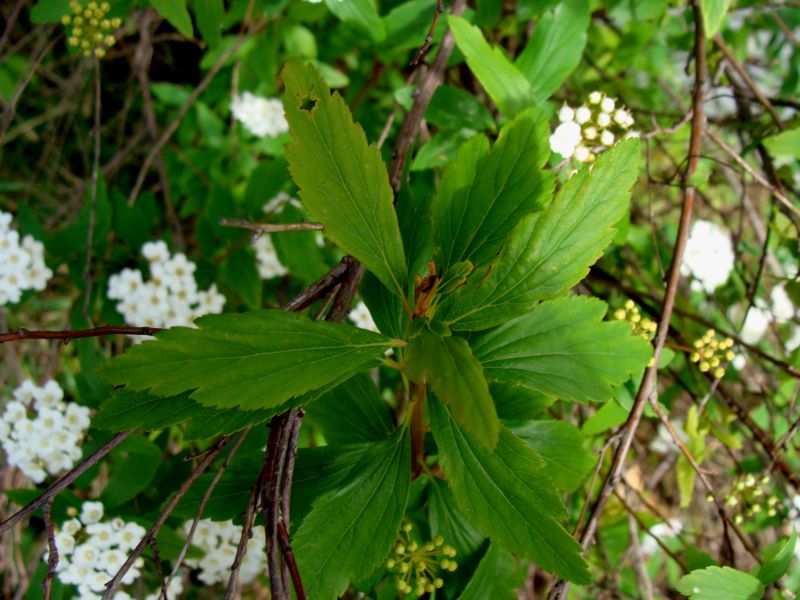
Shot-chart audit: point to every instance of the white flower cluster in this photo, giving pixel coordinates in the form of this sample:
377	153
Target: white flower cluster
589	129
21	264
708	257
668	529
169	298
90	552
263	117
47	442
219	542
362	318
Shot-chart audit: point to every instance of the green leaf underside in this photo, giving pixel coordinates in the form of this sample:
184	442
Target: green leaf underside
342	180
483	195
456	377
350	530
550	251
713	583
555	48
251	360
351	413
508	496
564	349
560	445
504	83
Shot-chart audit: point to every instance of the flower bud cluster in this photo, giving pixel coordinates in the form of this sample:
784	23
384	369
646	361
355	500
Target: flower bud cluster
751	497
40	434
644	328
91	551
219	542
21	264
709	352
420	563
169	298
91	30
263	117
591	128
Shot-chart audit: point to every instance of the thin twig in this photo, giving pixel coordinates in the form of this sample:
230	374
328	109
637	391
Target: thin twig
422	97
429	37
559	589
60	485
73	334
270	227
87	269
247	528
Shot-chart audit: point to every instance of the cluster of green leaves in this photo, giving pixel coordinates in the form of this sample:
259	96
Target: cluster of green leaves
506	250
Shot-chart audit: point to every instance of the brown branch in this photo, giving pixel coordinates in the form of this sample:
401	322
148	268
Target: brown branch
142	57
73	334
429	37
560	587
319	288
270	227
164	515
422	97
270	492
247	528
65	480
288	557
52	550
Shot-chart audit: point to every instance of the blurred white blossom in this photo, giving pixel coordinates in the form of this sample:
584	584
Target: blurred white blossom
263	117
40	434
668	529
22	264
708	257
169	298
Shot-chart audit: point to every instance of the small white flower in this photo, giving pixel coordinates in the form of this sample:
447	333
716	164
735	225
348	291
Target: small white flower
607	105
582	153
590	133
595	97
603	120
755	325
607	138
566	114
708	256
362	318
91	512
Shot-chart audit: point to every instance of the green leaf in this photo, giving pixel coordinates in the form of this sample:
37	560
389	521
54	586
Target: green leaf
504	83
493	579
209	14
483	194
517	403
343	180
447	522
551	251
713	583
351	413
361	14
777	560
135	462
126	410
386	308
240	273
455	376
560	444
786	143
714	12
452	107
251	360
508	495
176	13
555	48
696	443
563	348
351	529
49	11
